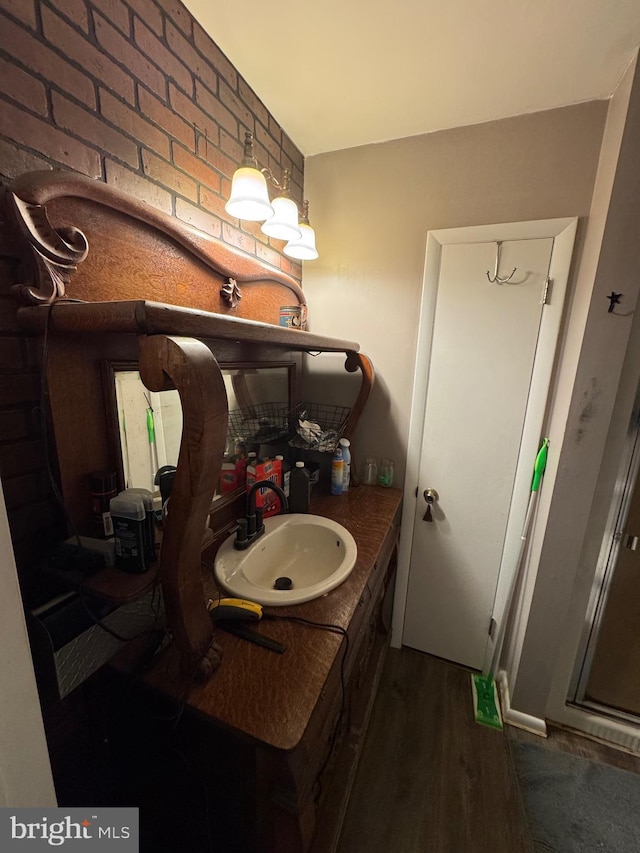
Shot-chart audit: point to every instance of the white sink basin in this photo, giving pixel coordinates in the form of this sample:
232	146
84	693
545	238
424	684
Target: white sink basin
315	554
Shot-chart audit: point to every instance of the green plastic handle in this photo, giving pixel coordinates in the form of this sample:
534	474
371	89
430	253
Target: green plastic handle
540	465
151	429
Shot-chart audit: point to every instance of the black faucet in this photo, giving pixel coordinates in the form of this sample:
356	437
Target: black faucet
251	527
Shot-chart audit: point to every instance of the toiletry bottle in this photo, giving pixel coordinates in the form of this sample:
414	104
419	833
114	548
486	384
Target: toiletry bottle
102	486
286	476
337	471
129	523
300	489
346	461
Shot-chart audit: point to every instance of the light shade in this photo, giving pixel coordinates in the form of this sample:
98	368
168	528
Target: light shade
303	249
283	225
249	197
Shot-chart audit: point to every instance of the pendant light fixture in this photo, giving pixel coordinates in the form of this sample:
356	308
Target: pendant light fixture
249	200
249	197
304	248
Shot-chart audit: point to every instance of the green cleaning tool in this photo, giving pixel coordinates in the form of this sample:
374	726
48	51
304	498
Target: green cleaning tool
486	704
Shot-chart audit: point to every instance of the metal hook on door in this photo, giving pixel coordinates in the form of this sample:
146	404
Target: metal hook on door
496	277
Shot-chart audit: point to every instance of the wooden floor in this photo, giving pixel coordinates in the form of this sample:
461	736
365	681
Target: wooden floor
430	779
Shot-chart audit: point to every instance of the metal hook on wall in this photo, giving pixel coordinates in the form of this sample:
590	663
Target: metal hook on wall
496	277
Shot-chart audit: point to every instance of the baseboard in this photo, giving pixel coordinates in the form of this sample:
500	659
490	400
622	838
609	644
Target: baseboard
535	725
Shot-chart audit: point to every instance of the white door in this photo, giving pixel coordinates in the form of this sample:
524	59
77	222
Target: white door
481	418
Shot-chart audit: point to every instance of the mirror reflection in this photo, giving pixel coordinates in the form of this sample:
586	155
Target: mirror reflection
150	423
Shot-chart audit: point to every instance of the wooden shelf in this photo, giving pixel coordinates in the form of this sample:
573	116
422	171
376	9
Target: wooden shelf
142	317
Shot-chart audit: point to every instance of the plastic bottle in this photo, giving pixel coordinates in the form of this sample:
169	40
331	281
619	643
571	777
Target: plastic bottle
300	489
102	487
337	471
346	460
129	526
285	484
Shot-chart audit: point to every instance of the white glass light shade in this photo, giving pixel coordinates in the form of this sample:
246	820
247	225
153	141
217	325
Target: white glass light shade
303	249
249	197
283	225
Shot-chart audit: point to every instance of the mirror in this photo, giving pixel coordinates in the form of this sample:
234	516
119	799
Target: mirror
150	423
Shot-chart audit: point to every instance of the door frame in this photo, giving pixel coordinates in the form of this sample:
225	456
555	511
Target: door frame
563	231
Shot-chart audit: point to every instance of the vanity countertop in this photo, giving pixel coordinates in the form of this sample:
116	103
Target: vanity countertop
268	697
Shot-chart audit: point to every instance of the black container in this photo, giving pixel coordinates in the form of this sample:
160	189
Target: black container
300	489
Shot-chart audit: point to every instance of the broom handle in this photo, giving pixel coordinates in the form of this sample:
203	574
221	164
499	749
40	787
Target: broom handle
538	472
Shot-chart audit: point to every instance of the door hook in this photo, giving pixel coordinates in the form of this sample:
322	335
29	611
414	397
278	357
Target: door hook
496	277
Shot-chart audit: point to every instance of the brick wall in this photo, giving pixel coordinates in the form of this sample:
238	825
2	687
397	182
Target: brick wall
134	93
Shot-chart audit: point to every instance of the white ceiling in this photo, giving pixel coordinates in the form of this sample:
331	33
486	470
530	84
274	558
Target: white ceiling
340	73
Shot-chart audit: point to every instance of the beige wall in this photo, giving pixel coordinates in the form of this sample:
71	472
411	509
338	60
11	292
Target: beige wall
592	409
372	207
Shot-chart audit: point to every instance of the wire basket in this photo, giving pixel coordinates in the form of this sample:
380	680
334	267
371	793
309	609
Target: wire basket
330	419
260	424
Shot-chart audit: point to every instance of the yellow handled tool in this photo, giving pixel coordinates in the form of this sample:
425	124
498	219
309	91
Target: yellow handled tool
234	608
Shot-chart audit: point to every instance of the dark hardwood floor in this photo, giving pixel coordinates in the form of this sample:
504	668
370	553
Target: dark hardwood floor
431	779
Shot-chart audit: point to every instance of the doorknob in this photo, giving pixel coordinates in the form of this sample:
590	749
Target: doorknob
431	497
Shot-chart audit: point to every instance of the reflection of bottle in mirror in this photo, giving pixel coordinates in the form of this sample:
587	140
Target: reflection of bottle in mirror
370	474
300	489
346	462
385	472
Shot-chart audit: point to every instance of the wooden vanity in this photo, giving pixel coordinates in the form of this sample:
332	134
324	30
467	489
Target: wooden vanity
274	738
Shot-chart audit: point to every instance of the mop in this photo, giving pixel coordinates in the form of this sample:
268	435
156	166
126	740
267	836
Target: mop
486	704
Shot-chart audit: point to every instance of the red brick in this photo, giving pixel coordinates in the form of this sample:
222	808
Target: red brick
276	132
163	58
76	47
116	13
232	146
264	138
166	175
130	122
196	168
15	425
158	113
215	204
49	141
192	215
39	58
25	10
18	388
180	16
238	238
291	268
21	519
193	115
11	355
210	50
293	152
138	186
119	48
8	312
240	110
211	105
22	87
268	254
150	14
253	101
19	491
216	158
93	129
75	11
192	59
